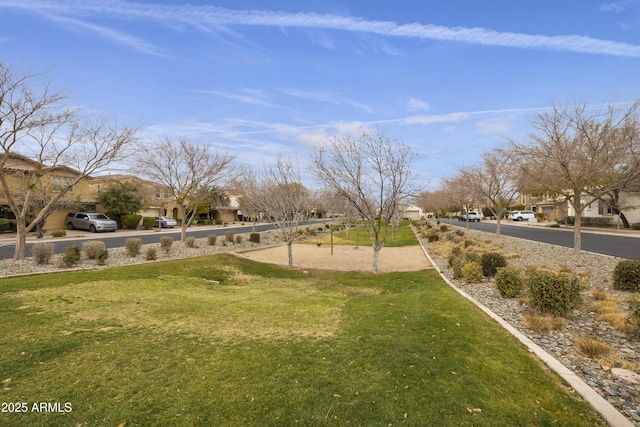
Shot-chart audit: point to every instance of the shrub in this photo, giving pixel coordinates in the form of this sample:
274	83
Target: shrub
152	254
254	237
592	347
101	256
472	257
190	242
229	236
58	233
5	225
433	237
42	253
131	221
509	282
457	267
133	246
553	293
633	319
626	275
147	222
91	248
456	251
472	272
460	232
467	243
71	256
239	239
165	243
635	226
211	239
443	228
555	225
490	262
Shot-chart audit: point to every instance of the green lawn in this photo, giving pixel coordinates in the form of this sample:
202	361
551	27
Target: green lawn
401	235
229	342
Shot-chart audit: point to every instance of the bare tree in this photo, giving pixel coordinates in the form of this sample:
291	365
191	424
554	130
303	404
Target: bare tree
433	201
188	170
278	193
343	208
495	181
580	154
460	191
36	126
374	173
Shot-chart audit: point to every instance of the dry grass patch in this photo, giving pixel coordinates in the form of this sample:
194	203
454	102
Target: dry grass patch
593	348
608	310
543	323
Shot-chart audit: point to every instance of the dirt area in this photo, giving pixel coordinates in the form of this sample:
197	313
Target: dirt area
345	258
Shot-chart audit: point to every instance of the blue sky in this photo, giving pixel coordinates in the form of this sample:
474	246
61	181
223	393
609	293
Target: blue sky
260	78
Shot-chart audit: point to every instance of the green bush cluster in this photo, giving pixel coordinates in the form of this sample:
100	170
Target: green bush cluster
42	253
71	256
152	254
491	262
626	275
58	233
190	242
472	272
165	243
131	221
101	256
147	222
552	293
444	228
133	246
433	237
635	226
91	248
254	237
509	283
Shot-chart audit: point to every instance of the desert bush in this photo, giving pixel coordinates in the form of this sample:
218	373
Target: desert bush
239	239
490	262
472	272
635	226
543	323
509	283
444	228
555	225
5	225
133	246
626	275
592	347
552	293
472	257
254	237
151	254
131	221
229	236
147	222
460	232
457	251
211	239
91	248
101	256
42	253
165	243
468	242
58	233
457	265
190	242
433	237
633	318
71	256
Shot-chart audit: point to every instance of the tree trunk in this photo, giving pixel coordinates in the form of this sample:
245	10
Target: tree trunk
21	240
376	251
290	252
183	226
577	238
497	225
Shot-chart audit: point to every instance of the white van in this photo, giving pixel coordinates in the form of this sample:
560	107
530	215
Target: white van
523	216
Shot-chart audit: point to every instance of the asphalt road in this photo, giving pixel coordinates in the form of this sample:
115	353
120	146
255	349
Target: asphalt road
117	239
614	245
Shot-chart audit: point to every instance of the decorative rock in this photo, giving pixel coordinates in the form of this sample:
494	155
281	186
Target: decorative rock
627	375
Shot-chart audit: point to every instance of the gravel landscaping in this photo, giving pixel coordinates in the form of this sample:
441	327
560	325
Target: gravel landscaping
602	374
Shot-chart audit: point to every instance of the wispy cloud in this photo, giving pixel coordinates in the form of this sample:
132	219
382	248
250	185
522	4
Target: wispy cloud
212	19
417	105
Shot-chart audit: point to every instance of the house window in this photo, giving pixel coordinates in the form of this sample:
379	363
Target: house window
166	194
157	193
60	184
604	209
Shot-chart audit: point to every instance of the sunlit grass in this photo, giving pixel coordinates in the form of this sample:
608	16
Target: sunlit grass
226	341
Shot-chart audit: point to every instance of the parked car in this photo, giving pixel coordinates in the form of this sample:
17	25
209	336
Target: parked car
473	216
165	222
523	216
91	221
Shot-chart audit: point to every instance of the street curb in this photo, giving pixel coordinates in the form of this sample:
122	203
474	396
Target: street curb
612	416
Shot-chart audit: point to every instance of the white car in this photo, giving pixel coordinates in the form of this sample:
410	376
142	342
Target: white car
523	216
165	222
473	216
